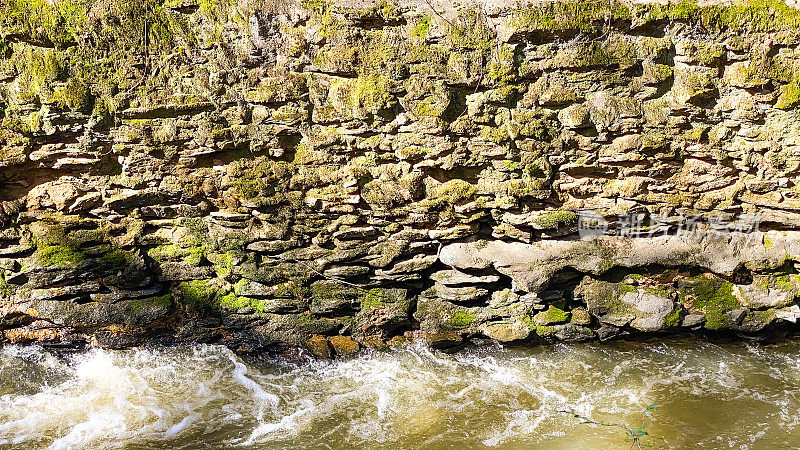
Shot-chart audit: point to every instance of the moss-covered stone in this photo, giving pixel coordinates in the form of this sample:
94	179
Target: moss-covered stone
232	302
373	298
200	294
453	191
461	318
149	303
583	16
234	156
556	219
604	300
789	95
421	27
59	256
75	95
551	316
344	345
713	297
674	319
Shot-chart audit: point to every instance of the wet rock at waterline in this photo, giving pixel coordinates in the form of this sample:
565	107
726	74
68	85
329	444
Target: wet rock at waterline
334	177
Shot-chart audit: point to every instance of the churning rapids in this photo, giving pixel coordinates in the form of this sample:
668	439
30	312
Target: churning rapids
732	395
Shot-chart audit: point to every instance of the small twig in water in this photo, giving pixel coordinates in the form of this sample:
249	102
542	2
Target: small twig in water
634	434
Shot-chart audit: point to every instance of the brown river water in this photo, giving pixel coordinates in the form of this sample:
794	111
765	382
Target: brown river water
737	395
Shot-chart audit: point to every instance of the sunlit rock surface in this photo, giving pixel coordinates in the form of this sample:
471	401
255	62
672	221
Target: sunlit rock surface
337	175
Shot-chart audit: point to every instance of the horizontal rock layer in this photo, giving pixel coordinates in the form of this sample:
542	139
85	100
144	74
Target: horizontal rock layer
273	176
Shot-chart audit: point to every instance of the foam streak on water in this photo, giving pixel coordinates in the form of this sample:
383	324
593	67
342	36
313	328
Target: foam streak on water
737	395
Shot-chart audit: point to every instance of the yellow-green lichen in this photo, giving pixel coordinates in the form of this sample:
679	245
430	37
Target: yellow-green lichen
118	258
329	293
789	97
789	283
659	291
5	288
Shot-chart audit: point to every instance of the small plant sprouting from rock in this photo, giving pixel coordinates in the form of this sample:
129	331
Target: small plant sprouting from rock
638	437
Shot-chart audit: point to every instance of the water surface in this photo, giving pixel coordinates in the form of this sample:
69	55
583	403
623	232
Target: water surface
712	395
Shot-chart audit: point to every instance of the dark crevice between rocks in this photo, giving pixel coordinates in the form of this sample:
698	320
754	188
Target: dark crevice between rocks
167	112
375	22
186	9
654	29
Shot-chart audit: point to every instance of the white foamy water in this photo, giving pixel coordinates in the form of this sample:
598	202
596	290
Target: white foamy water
735	395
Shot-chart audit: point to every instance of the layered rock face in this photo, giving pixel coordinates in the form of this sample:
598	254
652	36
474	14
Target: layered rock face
271	176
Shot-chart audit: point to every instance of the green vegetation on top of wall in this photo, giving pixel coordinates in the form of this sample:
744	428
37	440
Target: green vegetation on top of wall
753	15
100	48
112	24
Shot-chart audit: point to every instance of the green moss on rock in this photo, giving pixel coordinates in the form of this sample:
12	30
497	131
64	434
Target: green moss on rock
421	27
556	219
233	302
789	97
551	316
713	297
199	294
76	96
149	303
584	15
674	318
372	299
48	22
59	256
453	191
461	318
